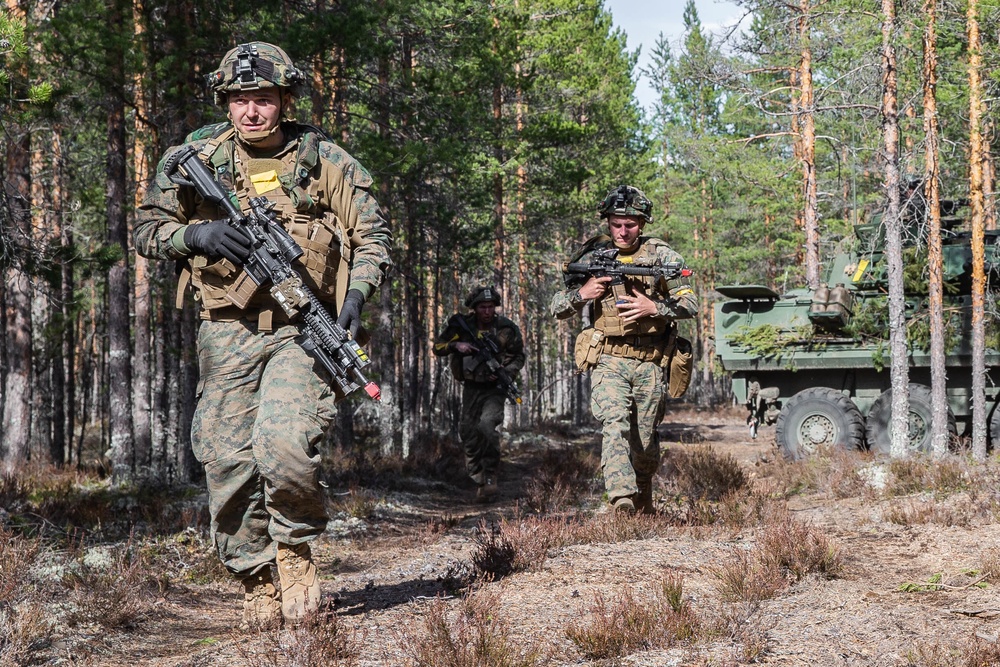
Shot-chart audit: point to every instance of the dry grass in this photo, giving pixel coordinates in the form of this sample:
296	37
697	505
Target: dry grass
496	555
357	503
833	473
912	512
920	473
478	635
627	624
701	473
23	627
561	479
746	577
117	594
989	565
318	641
785	551
976	652
797	548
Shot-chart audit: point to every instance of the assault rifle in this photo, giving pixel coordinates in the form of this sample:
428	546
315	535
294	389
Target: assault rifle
270	262
605	262
487	352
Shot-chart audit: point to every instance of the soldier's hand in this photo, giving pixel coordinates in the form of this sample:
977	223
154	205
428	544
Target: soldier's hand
465	348
350	312
595	288
635	306
218	239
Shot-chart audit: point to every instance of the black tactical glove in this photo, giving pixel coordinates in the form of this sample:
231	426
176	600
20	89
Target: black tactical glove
218	239
350	312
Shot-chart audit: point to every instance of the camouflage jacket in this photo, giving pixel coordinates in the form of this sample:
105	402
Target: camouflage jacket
325	181
470	368
676	301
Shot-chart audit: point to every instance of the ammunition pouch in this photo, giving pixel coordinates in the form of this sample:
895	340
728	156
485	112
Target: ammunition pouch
680	367
588	349
643	348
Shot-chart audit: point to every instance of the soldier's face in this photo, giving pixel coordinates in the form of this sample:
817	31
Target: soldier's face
485	312
255	110
625	229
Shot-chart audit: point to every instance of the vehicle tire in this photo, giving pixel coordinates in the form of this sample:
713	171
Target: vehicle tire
818	417
994	439
877	430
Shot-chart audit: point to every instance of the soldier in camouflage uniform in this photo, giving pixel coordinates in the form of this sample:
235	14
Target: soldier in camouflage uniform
628	345
482	398
264	404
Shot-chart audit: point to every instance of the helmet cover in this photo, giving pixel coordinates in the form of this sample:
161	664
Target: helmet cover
626	200
254	66
481	294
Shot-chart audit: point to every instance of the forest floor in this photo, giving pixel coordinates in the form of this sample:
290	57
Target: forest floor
912	576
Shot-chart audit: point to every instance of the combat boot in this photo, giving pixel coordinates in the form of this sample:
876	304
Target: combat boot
261	602
299	581
644	499
623	506
487	491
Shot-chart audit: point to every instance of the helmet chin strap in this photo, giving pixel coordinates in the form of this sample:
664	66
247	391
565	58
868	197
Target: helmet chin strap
252	138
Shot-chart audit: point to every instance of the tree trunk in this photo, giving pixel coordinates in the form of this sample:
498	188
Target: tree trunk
899	370
939	401
806	111
16	434
121	451
144	142
977	204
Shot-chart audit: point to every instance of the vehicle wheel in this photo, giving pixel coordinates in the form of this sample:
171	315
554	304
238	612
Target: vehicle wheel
995	429
818	417
879	438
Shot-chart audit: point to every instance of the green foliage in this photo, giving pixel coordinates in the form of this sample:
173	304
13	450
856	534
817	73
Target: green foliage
768	341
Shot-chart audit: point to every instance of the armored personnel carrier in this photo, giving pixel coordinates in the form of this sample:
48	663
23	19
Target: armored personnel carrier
815	362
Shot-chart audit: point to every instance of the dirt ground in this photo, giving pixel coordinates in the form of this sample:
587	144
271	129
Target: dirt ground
382	585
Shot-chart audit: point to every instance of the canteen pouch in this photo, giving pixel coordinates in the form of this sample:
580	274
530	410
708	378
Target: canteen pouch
681	368
588	349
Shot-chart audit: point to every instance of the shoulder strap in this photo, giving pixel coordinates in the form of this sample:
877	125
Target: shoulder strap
208	150
591	244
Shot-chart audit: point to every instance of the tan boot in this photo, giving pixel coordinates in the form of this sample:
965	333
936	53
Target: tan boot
299	581
261	603
623	506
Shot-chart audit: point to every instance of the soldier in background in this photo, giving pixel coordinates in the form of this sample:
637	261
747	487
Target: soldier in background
631	342
264	403
482	397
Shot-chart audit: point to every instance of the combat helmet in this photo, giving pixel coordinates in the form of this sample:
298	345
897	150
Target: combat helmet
481	294
626	200
253	66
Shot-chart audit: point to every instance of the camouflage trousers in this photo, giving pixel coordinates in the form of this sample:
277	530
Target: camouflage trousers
628	397
482	412
262	409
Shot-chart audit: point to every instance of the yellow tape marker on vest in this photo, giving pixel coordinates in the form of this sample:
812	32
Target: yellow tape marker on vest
265	181
862	265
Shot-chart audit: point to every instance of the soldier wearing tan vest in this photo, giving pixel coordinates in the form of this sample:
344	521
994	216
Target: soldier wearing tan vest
629	345
264	404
